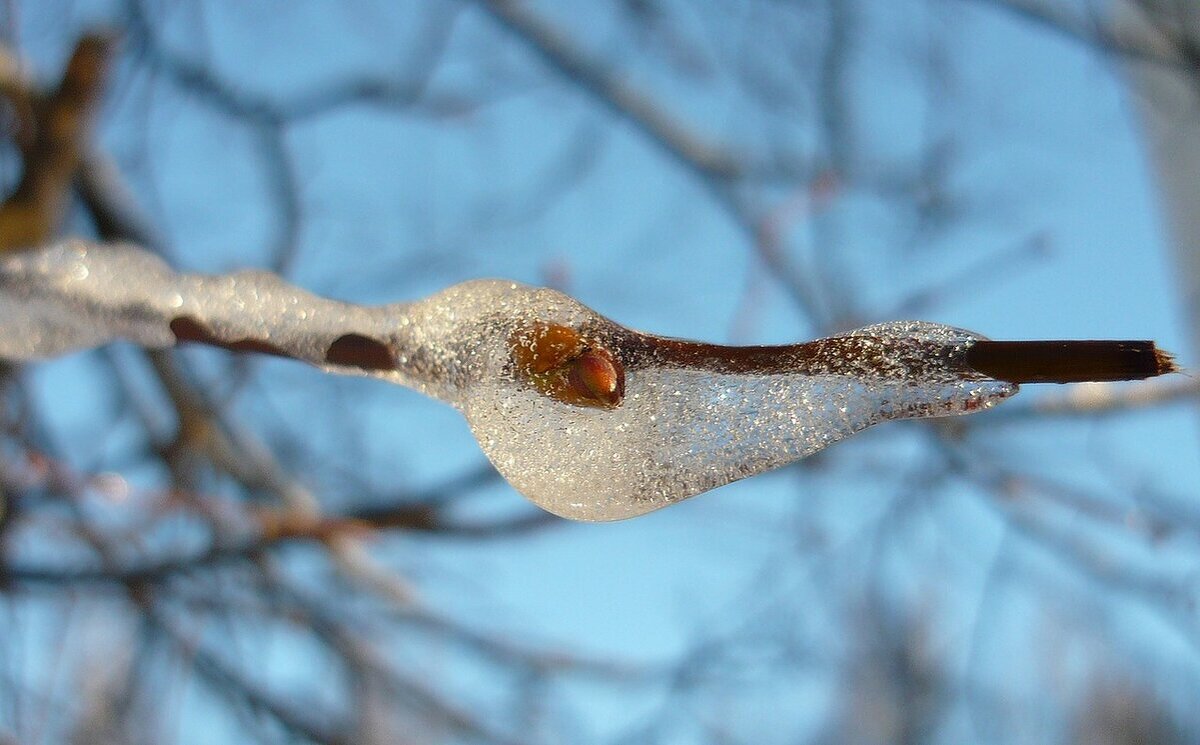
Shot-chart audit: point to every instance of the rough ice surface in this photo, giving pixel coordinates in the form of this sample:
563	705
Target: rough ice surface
678	430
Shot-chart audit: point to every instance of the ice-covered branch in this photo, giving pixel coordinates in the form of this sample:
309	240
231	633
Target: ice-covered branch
587	418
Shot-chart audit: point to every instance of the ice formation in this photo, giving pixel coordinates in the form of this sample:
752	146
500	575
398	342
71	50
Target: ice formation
588	419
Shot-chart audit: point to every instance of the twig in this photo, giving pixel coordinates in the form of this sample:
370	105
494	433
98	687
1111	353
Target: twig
226	681
716	169
1101	399
1158	50
33	212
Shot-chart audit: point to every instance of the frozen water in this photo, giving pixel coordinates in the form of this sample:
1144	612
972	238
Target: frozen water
605	425
682	431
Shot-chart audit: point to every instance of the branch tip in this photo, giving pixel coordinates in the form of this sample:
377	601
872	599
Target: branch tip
1069	361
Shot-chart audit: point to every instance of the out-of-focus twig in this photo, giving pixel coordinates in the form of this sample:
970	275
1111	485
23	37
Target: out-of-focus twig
227	681
663	130
717	169
1156	49
1098	399
62	133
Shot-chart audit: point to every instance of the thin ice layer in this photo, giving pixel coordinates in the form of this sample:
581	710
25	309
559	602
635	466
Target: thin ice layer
680	426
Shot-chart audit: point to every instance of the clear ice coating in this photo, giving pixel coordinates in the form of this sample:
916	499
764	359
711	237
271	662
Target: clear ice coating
591	421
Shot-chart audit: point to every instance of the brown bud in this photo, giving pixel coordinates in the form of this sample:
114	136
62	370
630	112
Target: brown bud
558	362
596	376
